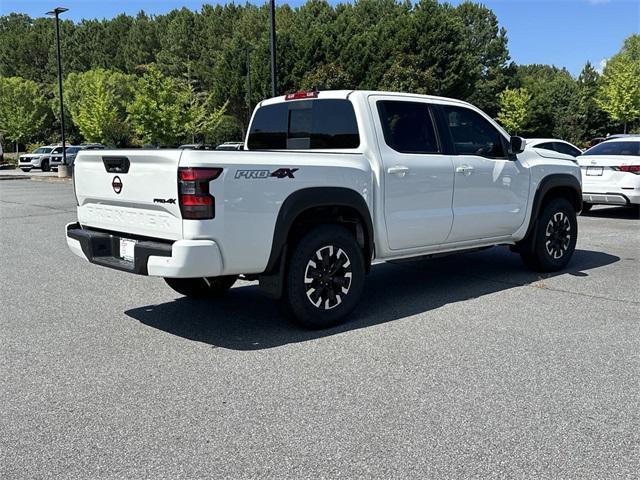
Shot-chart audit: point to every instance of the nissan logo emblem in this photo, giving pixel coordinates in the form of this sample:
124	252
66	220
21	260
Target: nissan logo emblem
116	184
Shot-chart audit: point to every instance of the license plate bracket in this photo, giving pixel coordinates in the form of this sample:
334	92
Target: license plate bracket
594	171
127	249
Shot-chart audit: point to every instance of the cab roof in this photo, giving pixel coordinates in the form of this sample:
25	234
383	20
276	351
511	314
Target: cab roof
345	94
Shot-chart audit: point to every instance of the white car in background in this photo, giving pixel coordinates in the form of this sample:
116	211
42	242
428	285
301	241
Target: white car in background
611	173
39	158
553	148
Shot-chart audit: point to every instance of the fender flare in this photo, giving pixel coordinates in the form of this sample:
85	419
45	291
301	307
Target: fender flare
307	198
548	183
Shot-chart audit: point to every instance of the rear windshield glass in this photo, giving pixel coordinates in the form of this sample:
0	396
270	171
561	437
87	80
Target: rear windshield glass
303	125
615	148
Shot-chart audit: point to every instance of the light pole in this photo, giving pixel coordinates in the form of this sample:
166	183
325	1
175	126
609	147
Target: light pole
274	86
56	12
249	80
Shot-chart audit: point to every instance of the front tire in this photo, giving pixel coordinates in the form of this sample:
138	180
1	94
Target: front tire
45	166
201	288
325	277
553	240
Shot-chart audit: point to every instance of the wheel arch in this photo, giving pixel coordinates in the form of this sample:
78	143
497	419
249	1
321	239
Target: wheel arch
554	186
319	199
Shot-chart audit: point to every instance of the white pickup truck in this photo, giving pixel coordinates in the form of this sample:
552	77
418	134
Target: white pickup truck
328	183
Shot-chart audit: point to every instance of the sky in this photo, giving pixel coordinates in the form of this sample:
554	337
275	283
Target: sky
565	33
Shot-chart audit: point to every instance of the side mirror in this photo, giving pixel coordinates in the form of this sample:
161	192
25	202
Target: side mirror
516	145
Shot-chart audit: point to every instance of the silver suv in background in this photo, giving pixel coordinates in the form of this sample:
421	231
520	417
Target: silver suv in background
39	158
72	152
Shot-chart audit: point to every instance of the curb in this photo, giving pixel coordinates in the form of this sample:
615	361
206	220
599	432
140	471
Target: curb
51	179
13	177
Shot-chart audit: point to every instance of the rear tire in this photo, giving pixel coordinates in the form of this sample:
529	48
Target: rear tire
586	207
325	277
45	166
200	288
553	239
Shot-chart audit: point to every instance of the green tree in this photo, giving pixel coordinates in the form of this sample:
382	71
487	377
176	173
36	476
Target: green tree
23	110
97	101
513	109
142	44
160	109
589	115
329	76
619	93
405	75
204	121
553	92
486	47
26	46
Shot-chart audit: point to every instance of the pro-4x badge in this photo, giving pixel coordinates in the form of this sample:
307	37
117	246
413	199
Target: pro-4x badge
284	173
255	174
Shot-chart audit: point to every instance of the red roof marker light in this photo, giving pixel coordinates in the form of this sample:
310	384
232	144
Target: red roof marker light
301	95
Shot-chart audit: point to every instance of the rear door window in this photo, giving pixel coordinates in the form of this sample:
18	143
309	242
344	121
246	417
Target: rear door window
324	124
473	134
408	126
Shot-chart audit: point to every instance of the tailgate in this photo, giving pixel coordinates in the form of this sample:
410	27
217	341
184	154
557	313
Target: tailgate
129	191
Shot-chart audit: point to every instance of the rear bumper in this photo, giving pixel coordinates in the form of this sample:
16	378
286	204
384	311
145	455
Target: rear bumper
179	259
612	198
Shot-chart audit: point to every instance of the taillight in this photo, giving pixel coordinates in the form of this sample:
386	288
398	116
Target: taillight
196	202
301	95
628	168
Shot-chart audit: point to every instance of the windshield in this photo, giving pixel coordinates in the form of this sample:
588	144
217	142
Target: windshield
615	148
42	150
72	149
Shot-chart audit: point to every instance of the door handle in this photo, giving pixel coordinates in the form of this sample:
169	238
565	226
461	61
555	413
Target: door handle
464	169
398	170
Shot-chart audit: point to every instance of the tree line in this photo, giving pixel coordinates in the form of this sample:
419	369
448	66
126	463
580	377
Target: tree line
183	76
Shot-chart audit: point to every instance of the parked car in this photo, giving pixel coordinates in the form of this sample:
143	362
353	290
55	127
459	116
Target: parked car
92	146
611	173
196	146
329	183
553	148
230	146
39	158
71	152
57	158
620	135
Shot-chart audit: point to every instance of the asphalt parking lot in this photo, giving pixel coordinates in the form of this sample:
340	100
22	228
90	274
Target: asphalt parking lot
463	367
